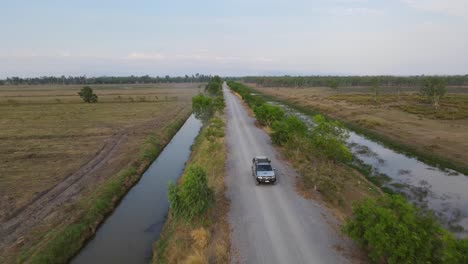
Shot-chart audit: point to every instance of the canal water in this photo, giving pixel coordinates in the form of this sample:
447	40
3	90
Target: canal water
127	235
443	191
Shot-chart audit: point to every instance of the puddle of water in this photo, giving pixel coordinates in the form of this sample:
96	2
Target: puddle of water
442	191
127	235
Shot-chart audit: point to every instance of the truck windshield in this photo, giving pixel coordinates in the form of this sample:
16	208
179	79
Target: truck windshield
264	167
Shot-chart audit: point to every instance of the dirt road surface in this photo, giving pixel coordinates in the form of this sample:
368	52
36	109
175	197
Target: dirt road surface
271	223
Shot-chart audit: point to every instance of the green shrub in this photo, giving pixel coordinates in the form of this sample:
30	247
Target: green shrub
88	95
267	114
453	250
203	107
214	88
287	128
193	196
330	138
394	231
215	129
151	148
219	104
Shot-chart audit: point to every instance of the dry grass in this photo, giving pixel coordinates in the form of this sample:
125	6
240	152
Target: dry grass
406	121
42	142
207	239
452	107
336	184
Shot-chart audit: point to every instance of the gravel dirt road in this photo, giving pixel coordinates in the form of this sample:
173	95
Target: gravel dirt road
271	223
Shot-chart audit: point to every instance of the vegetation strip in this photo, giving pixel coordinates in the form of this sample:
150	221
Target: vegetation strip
430	158
58	246
389	228
197	230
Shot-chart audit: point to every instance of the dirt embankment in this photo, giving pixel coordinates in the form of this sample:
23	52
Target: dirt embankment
422	131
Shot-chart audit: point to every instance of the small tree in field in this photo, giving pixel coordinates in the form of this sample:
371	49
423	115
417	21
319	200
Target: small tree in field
333	84
375	88
88	95
434	89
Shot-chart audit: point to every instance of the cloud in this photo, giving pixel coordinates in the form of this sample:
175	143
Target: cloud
145	56
355	11
448	7
362	11
203	56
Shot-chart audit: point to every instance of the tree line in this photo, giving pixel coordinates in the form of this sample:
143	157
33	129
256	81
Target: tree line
63	80
347	81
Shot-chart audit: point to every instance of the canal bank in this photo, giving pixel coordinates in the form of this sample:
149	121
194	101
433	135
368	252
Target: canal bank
206	237
127	234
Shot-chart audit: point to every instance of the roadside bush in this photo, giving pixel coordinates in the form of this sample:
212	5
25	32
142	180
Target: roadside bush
266	114
453	250
214	87
394	231
246	94
215	129
203	107
330	137
193	196
219	104
286	129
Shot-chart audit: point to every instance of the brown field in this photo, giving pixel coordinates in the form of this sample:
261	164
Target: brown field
406	118
54	148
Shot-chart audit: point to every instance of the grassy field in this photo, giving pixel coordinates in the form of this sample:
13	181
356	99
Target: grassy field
405	120
206	240
48	134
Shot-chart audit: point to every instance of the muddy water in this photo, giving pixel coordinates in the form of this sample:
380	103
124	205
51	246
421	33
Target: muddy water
128	234
445	192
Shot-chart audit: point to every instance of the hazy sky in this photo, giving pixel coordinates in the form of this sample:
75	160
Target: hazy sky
238	37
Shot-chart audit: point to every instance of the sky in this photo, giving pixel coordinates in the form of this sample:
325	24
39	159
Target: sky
233	38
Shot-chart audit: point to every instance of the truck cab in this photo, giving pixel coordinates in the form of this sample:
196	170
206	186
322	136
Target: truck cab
262	170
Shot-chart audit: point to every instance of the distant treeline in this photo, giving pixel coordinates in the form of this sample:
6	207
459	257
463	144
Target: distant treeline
322	81
104	80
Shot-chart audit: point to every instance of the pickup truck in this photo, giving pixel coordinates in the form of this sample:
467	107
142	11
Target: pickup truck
262	170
